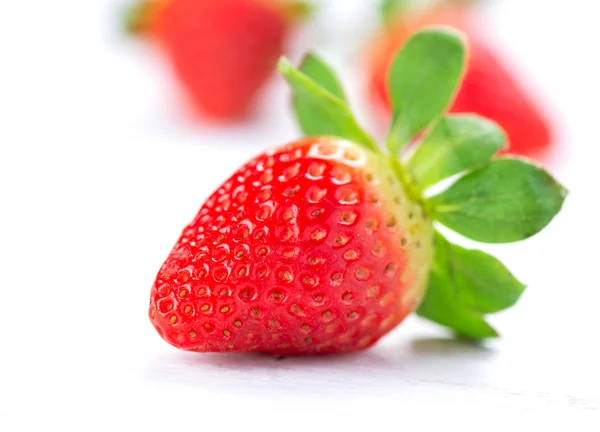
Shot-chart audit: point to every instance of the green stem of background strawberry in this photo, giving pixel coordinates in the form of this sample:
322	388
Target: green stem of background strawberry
463	3
138	17
299	10
392	10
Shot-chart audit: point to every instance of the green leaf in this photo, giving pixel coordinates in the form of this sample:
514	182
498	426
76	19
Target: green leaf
457	143
465	285
423	81
328	114
320	72
505	201
317	70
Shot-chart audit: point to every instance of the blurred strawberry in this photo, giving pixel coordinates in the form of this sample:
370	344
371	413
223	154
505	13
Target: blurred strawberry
222	51
489	88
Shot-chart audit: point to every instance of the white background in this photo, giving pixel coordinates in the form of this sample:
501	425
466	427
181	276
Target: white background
99	171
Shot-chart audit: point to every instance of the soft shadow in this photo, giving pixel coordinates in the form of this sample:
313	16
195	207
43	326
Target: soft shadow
245	372
450	347
245	361
399	366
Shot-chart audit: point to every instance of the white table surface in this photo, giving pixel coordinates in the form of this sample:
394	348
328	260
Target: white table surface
99	172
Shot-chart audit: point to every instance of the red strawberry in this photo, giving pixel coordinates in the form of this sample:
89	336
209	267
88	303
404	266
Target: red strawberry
326	244
311	248
222	51
489	87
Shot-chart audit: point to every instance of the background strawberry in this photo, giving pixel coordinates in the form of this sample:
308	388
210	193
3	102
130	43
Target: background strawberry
490	87
222	51
326	244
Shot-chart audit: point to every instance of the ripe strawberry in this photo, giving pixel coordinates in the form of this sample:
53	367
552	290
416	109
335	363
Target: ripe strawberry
489	87
222	51
326	244
313	247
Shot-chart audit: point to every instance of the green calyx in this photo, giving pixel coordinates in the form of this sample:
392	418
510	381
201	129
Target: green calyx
492	199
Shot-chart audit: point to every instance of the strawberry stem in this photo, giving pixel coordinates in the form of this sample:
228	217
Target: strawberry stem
462	3
139	17
392	9
297	10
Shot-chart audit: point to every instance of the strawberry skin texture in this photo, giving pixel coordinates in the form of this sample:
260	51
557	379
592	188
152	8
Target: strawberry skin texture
313	248
222	51
489	88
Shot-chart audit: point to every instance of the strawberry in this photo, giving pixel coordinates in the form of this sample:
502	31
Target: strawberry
222	51
489	88
326	244
312	247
